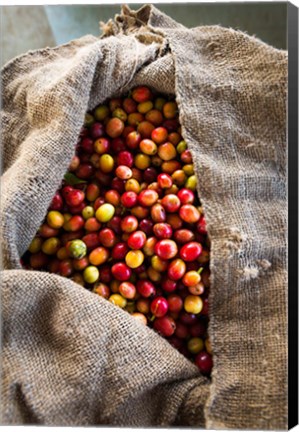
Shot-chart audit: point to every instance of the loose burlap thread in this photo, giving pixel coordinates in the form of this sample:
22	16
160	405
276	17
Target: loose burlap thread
72	358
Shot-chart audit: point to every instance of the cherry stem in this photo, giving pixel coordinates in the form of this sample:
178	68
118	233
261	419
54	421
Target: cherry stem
152	318
200	270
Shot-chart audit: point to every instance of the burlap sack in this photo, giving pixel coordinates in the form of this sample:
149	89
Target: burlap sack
70	357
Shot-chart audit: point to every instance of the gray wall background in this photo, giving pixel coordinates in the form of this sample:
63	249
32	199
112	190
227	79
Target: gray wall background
25	28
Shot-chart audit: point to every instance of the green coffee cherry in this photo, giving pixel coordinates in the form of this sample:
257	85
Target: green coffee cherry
191	182
182	146
77	249
91	274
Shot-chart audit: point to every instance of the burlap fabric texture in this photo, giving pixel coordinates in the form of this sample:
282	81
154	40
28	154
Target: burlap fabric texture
70	357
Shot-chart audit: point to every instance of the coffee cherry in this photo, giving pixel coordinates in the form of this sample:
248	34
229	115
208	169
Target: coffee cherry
141	94
84	171
78	264
123	172
65	268
51	246
143	305
162	230
101	112
121	271
193	304
191	182
164	180
76	249
175	303
204	362
129	105
159	306
197	289
57	202
158	213
181	331
92	192
208	346
166	249
97	130
134	258
154	116
115	127
148	197
87	212
129	199
118	300
148	147
145	288
91	274
55	219
127	290
195	345
101	289
98	256
136	240
166	151
106	163
191	278
139	317
35	245
183	235
190	251
186	196
171	203
176	269
159	264
75	162
168	285
105	212
146	225
107	237
91	240
165	326
170	110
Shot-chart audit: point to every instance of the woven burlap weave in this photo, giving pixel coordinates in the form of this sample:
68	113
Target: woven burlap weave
70	357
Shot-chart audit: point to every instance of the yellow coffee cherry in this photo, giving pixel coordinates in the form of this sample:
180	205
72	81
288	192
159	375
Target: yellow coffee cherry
105	212
142	161
106	163
118	300
188	169
51	246
55	219
91	274
144	107
191	182
193	304
159	264
132	185
35	245
134	258
88	212
130	307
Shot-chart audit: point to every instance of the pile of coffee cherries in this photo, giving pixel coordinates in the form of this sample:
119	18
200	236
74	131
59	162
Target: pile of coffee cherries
127	223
